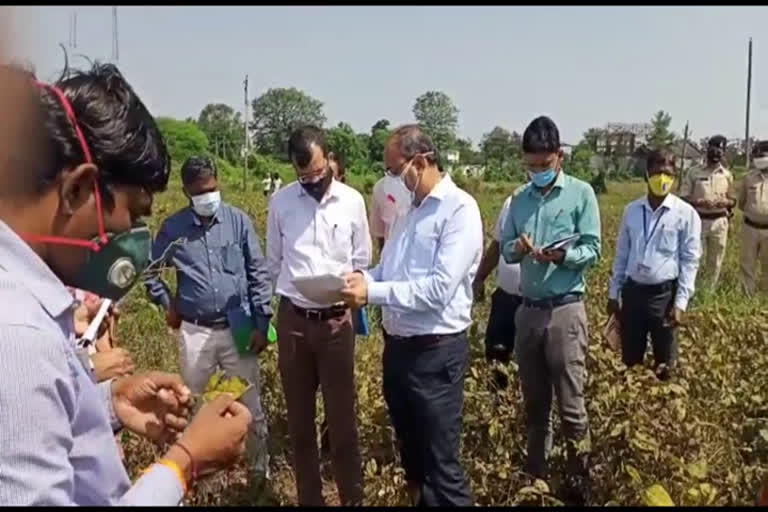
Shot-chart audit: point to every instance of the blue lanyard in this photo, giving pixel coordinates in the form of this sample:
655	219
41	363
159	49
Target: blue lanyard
646	237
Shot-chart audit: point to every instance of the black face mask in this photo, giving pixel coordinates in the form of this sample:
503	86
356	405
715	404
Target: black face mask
714	154
318	189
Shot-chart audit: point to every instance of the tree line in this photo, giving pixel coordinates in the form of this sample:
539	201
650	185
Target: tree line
219	130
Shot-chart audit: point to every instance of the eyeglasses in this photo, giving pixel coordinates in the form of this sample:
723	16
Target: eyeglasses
391	172
314	176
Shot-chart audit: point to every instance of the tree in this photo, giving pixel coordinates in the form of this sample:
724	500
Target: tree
498	145
592	136
380	133
661	136
224	129
184	138
438	116
343	141
467	153
277	112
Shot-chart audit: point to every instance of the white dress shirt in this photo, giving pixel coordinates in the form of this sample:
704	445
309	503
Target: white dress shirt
306	238
390	200
424	279
655	247
508	274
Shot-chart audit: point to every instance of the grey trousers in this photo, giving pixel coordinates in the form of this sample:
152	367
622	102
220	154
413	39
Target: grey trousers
551	349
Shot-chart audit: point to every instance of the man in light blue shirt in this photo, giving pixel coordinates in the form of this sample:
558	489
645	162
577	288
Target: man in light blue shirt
654	271
424	285
551	339
75	179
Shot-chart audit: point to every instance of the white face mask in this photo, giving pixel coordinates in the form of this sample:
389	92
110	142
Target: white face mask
205	205
761	162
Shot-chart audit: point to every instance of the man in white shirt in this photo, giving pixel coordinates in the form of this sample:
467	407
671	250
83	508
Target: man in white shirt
654	271
424	285
390	200
277	182
266	184
500	333
317	225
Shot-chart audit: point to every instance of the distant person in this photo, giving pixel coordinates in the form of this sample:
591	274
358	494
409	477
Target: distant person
266	184
338	168
222	281
709	188
423	284
753	201
500	332
551	325
277	183
77	173
390	201
654	270
317	225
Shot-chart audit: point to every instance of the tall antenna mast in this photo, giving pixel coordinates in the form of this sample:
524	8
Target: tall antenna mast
115	36
74	29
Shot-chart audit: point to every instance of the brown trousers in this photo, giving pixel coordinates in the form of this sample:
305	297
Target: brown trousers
312	353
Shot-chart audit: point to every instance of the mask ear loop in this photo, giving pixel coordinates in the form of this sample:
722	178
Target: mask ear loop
94	246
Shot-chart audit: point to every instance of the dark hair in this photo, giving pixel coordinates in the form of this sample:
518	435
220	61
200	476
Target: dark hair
196	167
275	175
760	148
541	136
657	157
717	141
300	144
413	141
122	136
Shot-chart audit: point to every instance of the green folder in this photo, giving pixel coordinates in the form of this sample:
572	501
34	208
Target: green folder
241	325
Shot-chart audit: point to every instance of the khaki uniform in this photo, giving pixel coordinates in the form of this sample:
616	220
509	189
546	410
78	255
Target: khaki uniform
753	201
711	183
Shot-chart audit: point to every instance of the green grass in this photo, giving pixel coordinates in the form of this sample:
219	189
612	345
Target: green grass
713	416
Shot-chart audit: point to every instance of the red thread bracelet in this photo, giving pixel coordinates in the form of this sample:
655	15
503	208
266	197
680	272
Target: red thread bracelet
192	468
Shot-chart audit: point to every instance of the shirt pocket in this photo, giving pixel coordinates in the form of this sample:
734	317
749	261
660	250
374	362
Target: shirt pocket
232	259
720	185
422	253
667	241
341	242
702	188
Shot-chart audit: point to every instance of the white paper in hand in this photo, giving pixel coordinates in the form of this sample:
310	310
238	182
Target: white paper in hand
324	289
562	243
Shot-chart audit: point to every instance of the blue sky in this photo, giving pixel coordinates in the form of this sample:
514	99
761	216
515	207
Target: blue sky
584	66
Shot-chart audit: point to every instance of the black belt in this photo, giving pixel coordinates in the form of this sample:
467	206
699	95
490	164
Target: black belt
754	224
321	315
652	288
554	302
712	216
221	323
421	341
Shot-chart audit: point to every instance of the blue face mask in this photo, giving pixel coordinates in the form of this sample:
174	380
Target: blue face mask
543	178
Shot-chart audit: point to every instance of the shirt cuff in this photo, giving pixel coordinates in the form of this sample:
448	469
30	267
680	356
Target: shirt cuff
570	256
106	393
158	486
377	291
681	303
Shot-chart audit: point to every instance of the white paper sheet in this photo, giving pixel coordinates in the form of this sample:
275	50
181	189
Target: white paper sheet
562	243
324	289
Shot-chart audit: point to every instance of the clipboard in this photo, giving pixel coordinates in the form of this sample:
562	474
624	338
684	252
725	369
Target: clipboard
562	243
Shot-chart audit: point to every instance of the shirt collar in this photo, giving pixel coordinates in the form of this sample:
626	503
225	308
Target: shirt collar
21	261
559	183
194	219
665	204
442	188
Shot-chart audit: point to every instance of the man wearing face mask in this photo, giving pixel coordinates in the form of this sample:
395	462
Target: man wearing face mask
709	188
222	277
391	200
317	225
551	337
77	173
753	201
423	284
654	271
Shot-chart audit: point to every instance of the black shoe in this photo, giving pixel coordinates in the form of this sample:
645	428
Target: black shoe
577	490
498	353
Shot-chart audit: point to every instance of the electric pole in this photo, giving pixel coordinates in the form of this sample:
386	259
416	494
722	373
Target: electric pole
748	144
245	145
115	37
681	174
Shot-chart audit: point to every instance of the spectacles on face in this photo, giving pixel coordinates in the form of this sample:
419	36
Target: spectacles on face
396	173
314	176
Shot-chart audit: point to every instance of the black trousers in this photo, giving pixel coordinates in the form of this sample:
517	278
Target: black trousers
424	391
501	324
643	312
